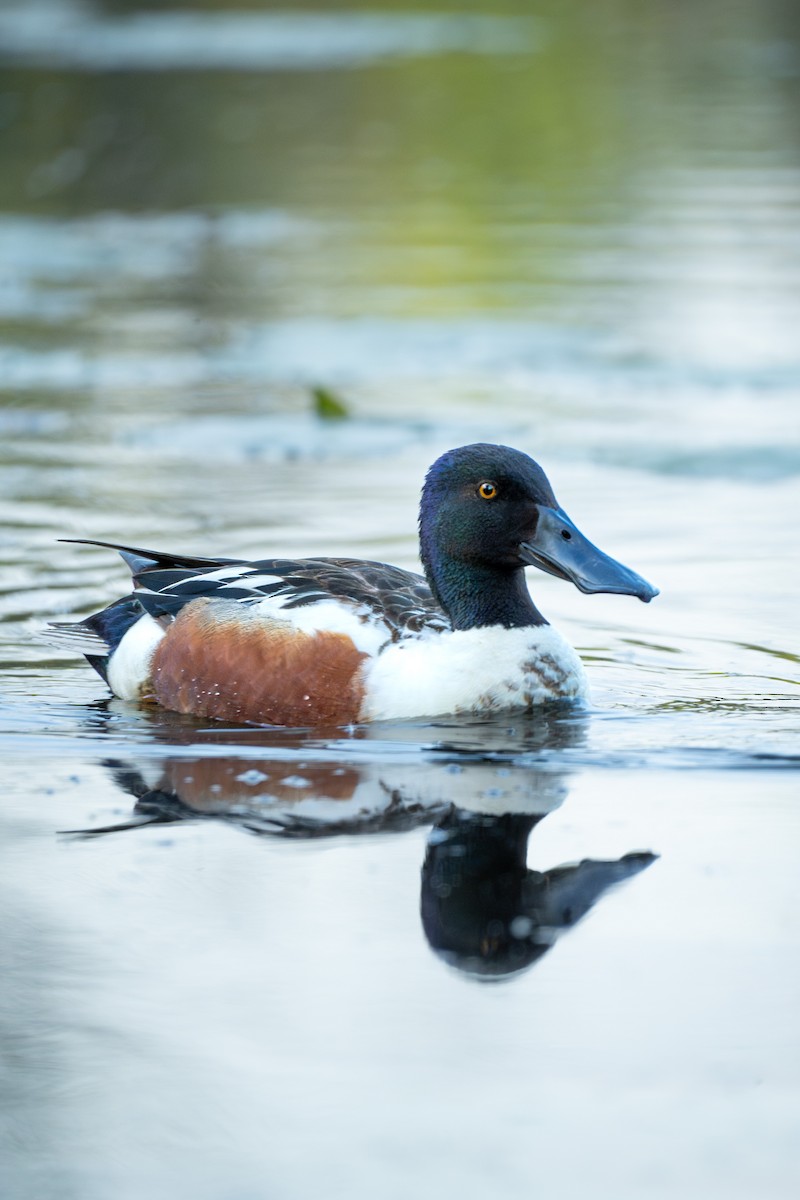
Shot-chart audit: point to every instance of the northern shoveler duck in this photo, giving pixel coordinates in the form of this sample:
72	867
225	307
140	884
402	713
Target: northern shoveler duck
339	640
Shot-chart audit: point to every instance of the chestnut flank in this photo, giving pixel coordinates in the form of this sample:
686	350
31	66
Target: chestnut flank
219	659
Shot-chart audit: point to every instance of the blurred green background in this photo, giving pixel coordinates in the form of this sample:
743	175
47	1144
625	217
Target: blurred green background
559	159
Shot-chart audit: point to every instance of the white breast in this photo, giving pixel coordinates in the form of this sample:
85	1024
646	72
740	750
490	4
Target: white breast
471	670
129	665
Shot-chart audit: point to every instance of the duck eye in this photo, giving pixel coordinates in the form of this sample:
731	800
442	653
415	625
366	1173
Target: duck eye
487	490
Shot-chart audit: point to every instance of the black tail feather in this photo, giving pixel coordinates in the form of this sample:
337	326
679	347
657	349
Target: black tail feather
139	559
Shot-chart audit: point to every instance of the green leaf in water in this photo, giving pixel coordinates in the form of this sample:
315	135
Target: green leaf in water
327	405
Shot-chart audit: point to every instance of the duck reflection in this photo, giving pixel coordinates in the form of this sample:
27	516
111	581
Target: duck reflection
483	788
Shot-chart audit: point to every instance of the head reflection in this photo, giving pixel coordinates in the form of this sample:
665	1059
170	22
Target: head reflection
484	912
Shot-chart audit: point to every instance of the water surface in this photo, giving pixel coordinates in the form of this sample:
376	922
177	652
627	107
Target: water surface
531	954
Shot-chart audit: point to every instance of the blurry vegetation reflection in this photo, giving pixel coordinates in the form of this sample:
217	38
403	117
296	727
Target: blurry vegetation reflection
595	94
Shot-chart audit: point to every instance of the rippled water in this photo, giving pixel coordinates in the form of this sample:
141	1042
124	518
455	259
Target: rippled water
243	963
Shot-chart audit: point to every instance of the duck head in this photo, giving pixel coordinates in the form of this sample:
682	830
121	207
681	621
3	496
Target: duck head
486	513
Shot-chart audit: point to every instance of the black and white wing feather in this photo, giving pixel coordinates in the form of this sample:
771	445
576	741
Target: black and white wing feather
165	583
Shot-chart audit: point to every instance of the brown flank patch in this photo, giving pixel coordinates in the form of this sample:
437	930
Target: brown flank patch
221	660
210	785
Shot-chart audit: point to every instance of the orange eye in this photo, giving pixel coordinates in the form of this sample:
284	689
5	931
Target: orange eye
487	490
